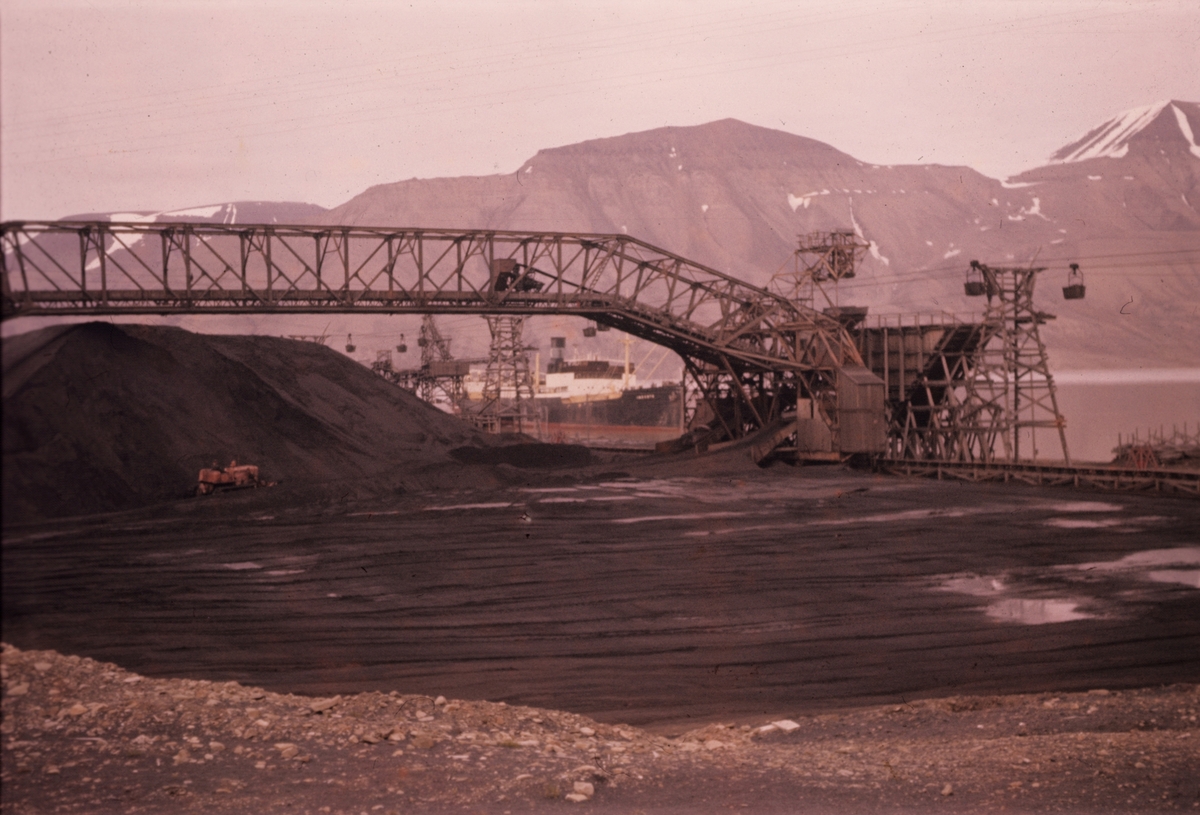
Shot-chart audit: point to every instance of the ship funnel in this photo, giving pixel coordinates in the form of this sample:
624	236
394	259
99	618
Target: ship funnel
557	344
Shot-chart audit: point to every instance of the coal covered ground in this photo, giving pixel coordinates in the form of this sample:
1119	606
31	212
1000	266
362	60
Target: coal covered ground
406	551
661	594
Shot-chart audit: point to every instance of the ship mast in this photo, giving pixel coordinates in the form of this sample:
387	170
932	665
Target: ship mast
627	341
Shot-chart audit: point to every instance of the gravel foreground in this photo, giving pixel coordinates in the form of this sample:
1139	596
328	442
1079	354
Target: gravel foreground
84	736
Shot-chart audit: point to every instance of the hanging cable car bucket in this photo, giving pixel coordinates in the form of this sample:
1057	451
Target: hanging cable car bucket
1074	290
974	286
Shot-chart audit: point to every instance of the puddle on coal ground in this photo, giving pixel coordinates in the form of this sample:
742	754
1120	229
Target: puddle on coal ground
1025	610
1184	577
487	505
1105	581
1135	524
687	516
1036	612
1080	506
1183	560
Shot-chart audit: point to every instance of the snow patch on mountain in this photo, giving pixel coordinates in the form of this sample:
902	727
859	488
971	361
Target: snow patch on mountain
133	217
872	247
797	201
1036	209
116	243
195	212
1186	129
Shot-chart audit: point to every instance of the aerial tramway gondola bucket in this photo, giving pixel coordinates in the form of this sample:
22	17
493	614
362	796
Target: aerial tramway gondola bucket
350	346
1074	290
975	287
403	346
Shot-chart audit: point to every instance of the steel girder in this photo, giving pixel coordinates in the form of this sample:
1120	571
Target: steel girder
736	339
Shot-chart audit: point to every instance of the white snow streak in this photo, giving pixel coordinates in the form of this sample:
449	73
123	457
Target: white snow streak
198	212
1036	209
871	245
1186	129
951	253
113	243
1111	139
797	201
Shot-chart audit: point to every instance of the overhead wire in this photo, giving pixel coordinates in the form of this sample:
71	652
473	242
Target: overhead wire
934	273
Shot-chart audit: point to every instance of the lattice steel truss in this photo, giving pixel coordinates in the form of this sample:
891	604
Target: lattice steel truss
1011	386
508	382
927	363
976	390
751	351
438	379
821	260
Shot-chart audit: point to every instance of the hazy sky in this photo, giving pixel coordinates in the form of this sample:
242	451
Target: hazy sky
122	105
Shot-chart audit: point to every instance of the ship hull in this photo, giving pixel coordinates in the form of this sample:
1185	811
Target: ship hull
638	417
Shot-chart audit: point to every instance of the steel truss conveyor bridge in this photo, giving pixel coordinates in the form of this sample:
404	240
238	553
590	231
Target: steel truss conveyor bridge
756	357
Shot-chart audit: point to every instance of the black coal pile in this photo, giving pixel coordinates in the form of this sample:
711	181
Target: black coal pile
101	417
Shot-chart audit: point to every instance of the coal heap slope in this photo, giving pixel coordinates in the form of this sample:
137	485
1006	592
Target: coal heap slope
101	417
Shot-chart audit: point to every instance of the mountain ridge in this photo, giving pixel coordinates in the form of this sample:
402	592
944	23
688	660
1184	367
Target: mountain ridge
1144	127
1121	201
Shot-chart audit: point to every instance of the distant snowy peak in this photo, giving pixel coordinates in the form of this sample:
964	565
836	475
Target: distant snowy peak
239	212
1165	124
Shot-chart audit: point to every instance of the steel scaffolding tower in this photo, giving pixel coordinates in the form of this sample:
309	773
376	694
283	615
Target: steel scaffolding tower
1011	390
441	376
821	260
975	390
508	383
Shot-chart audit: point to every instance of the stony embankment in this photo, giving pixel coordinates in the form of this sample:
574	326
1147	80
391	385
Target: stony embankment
83	736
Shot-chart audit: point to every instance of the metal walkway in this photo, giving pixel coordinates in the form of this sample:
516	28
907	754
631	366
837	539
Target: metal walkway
1097	476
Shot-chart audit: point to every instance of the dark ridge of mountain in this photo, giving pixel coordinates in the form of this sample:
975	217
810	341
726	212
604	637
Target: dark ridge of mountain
100	417
1121	201
728	194
736	196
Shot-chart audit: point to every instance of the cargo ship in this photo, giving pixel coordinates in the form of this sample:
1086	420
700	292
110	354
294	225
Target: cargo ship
601	403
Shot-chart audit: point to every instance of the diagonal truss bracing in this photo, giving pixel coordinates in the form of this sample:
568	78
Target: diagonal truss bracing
746	346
